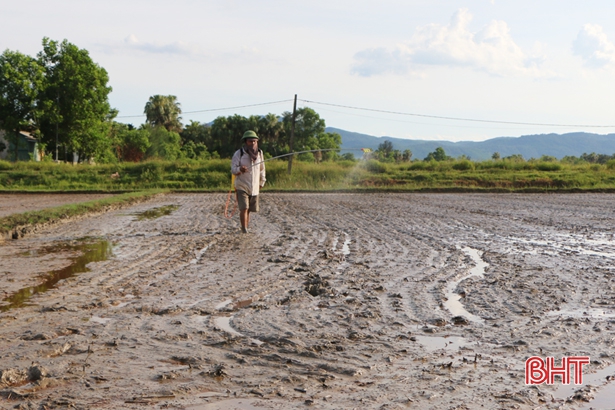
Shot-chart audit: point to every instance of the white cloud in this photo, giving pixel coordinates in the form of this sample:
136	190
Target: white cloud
492	49
177	47
191	51
593	46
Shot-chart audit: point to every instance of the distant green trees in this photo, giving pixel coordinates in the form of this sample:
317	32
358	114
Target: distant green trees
594	158
61	96
21	82
387	153
130	144
73	101
309	135
194	138
223	137
437	155
164	111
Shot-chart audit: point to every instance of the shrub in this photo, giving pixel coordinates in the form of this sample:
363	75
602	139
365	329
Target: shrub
216	165
418	166
596	167
463	165
548	166
376	167
491	165
442	166
151	172
306	157
347	163
431	165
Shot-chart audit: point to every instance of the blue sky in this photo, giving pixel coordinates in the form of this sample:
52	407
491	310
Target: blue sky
545	62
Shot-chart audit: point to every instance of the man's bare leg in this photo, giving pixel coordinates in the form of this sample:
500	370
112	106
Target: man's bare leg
244	218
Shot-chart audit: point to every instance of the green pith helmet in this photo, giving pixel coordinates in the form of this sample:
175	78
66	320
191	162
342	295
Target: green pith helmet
249	135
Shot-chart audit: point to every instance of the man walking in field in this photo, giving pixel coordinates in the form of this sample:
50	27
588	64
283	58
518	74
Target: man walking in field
248	166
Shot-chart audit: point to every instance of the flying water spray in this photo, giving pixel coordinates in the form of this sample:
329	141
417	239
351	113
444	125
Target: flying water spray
230	192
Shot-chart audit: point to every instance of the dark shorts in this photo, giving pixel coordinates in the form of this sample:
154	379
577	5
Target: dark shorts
244	200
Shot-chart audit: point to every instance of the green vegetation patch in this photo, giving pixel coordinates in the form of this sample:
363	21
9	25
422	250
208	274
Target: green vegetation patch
214	175
157	212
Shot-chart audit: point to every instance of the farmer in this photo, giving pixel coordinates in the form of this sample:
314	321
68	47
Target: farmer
249	169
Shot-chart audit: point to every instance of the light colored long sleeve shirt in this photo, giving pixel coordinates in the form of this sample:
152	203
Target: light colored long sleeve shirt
254	178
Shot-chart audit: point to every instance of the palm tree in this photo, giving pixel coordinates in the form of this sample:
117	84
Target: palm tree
164	110
270	131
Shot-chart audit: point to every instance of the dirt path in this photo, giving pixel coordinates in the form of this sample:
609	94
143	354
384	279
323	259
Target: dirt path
333	301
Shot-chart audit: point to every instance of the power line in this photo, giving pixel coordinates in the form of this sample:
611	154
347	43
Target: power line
416	122
440	117
459	118
215	109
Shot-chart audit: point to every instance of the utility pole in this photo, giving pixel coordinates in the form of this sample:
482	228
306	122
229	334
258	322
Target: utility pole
292	136
56	141
57	108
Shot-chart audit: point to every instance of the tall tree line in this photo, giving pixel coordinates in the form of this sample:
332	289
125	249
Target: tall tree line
61	97
222	137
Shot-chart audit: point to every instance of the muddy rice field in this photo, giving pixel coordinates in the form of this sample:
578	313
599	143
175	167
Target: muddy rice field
18	203
332	301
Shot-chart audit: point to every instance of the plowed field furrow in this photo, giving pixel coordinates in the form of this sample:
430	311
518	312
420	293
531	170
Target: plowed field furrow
337	299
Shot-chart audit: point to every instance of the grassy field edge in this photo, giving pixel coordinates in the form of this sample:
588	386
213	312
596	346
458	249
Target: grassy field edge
340	176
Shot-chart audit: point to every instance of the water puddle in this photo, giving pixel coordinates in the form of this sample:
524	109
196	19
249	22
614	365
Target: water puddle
101	320
235	404
199	255
582	313
345	246
224	323
224	304
341	254
603	398
563	244
193	304
450	343
156	212
91	252
453	303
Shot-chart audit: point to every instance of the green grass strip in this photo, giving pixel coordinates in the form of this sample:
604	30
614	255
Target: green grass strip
350	176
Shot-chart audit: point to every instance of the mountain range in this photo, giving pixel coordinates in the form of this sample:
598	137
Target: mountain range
529	146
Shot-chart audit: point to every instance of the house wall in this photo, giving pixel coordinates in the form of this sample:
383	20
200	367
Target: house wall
27	148
4	154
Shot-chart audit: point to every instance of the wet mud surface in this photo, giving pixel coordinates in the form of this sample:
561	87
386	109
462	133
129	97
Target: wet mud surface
395	301
18	203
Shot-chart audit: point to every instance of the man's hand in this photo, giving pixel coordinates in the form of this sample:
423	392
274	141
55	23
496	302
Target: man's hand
243	169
